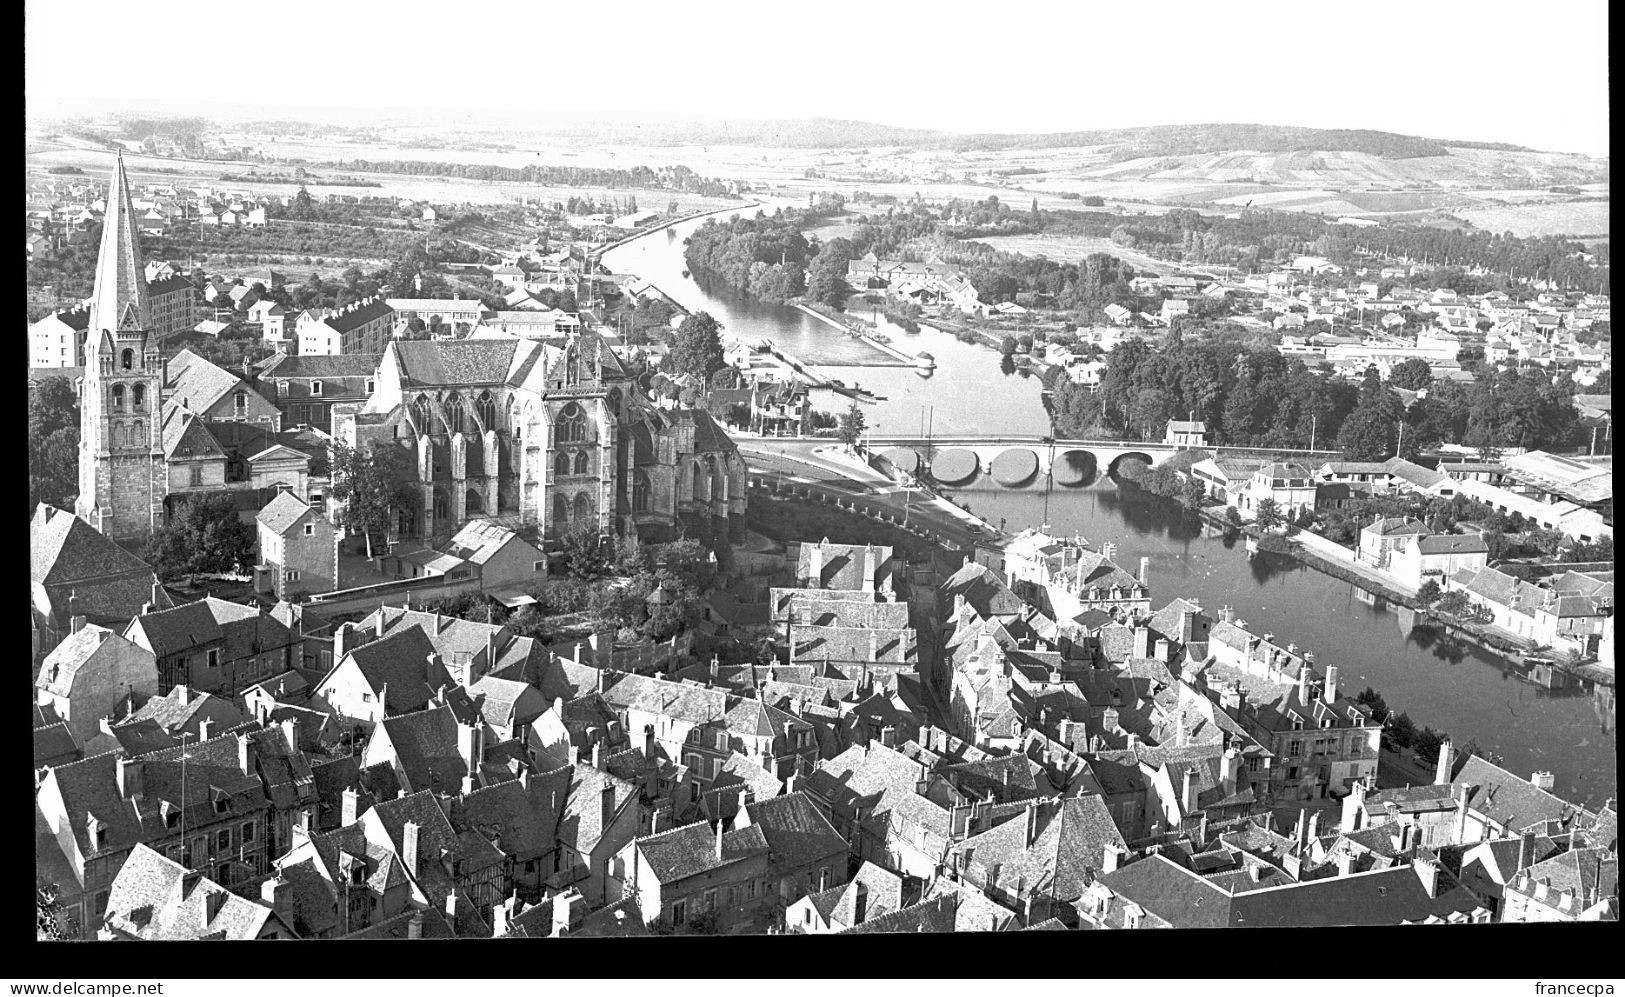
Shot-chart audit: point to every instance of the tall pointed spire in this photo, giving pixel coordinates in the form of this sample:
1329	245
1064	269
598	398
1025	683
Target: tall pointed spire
120	284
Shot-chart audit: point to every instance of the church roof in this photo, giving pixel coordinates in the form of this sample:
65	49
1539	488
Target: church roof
120	283
462	361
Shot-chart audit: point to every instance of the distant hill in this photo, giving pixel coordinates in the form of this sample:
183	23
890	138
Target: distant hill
1128	143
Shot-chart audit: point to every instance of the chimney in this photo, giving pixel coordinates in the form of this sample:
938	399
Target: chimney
1108	720
414	925
277	894
1064	731
649	742
1542	780
607	806
1305	683
1330	694
1164	651
1345	862
409	847
451	908
1187	793
1228	615
130	773
1230	771
1314	827
598	755
244	763
565	906
815	566
1427	870
1113	857
183	695
470	745
575	756
1447	763
1526	849
205	727
1353	808
347	809
719	840
342	641
1142	642
212	902
290	735
1302	826
888	737
1145	571
76	624
1461	811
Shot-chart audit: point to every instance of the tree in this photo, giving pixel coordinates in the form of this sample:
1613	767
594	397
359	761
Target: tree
1454	603
850	429
53	443
826	276
1429	593
1269	514
374	486
206	535
1372	698
698	349
1412	374
584	553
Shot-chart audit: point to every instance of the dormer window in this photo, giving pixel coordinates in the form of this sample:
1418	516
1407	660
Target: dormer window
1297	723
316	387
371	385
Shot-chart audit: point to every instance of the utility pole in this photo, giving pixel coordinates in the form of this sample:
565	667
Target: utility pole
1314	424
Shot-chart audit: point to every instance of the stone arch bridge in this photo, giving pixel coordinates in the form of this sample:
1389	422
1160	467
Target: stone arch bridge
1014	461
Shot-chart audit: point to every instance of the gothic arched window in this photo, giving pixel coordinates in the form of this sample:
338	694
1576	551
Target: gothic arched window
583	508
581	462
138	433
127	359
640	492
572	424
561	464
454	414
118	398
423	415
561	512
486	409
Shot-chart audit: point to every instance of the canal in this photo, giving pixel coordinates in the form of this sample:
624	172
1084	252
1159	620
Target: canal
1436	679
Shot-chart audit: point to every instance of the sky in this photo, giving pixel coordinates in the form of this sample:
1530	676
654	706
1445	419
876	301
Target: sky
1488	70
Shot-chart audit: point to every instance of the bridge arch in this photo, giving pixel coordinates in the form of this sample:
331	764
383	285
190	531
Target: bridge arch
1075	468
1015	467
1117	462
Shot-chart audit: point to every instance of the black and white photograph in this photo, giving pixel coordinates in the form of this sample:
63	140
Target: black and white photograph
651	471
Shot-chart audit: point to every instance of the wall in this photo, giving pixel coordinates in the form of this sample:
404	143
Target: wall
115	668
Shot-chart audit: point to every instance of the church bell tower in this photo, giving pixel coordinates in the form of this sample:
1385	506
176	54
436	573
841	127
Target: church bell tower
122	476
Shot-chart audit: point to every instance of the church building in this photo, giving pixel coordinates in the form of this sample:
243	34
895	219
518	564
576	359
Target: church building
558	436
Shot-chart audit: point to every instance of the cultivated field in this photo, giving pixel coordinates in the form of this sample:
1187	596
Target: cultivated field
1571	218
1073	248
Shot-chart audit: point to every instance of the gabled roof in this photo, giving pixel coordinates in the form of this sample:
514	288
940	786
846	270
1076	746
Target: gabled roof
520	816
156	899
1067	845
67	556
400	661
797	832
688	851
581	824
427	749
282	513
1512	802
341	365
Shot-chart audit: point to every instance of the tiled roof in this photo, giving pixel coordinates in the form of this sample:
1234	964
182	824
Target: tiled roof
176	709
673	699
797	832
521	817
1066	848
437	362
427	749
1506	799
581	824
401	660
67	556
687	851
1449	543
341	365
282	512
359	314
152	899
54	744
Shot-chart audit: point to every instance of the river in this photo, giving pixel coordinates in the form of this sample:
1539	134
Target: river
1437	680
